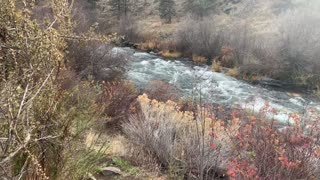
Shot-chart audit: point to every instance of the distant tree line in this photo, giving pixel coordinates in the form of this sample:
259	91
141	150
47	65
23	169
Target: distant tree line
166	8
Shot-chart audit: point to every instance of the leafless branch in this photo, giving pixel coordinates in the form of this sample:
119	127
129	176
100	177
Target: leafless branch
13	154
42	85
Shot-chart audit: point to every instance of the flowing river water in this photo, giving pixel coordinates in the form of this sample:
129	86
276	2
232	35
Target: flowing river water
213	87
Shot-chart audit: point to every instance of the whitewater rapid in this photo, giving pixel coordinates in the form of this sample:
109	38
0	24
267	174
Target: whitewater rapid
218	88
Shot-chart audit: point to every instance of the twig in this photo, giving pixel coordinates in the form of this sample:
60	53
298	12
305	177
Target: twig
23	169
22	102
42	85
13	154
47	137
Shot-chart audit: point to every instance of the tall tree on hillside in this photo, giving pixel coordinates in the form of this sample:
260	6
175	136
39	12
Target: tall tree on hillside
117	8
167	10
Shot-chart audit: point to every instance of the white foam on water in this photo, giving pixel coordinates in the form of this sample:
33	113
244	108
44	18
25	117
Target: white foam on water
213	87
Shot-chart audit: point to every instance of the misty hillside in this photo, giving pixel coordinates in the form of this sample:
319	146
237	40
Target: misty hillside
263	15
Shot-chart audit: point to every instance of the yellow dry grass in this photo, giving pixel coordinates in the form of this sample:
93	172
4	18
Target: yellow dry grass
234	72
149	45
255	78
216	66
117	146
199	59
168	54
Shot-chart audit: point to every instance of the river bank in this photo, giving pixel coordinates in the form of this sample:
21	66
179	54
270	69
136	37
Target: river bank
201	81
256	79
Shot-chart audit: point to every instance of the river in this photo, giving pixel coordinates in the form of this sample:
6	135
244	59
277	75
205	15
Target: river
214	87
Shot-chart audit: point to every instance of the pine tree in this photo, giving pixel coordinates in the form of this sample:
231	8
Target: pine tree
167	10
118	8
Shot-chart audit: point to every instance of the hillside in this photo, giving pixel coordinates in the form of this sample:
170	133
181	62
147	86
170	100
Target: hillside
263	15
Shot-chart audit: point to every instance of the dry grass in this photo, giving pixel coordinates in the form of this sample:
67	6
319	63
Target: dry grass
234	72
171	54
255	78
199	59
148	46
216	66
120	154
117	146
162	91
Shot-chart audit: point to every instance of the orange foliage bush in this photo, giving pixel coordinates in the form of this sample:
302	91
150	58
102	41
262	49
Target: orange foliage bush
262	151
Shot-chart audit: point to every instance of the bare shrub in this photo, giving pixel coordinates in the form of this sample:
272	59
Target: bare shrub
251	70
226	57
299	45
168	45
162	91
202	143
241	41
199	37
175	139
97	60
68	80
85	15
128	29
43	122
117	98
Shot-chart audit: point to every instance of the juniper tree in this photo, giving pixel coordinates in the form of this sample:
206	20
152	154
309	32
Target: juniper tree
167	10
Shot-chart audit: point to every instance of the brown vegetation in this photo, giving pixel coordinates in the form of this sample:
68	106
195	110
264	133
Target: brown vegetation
205	145
162	91
97	60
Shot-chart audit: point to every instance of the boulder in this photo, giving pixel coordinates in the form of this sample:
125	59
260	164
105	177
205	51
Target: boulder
110	171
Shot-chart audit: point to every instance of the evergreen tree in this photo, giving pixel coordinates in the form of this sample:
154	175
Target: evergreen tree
118	8
167	10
